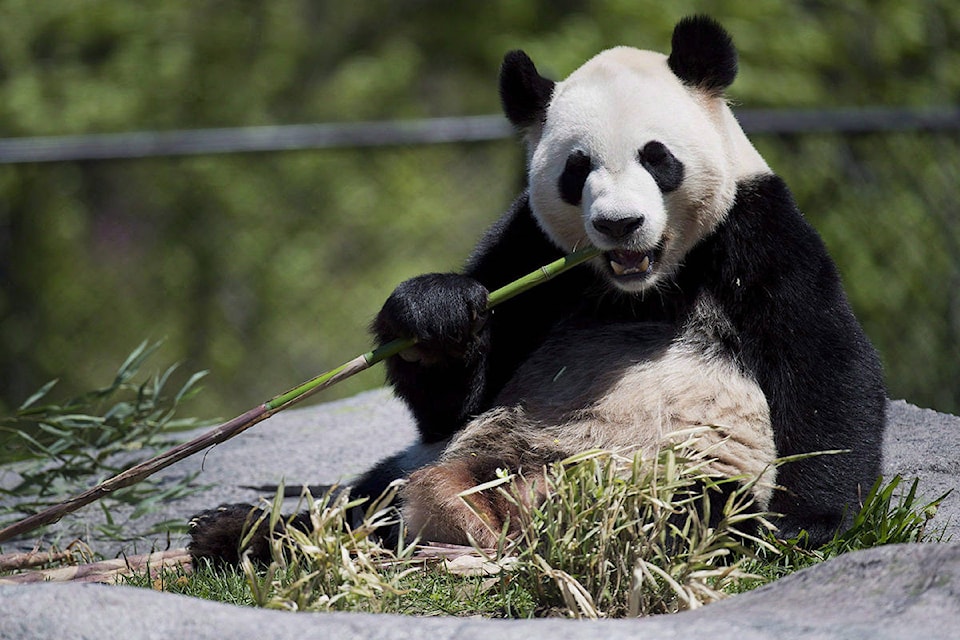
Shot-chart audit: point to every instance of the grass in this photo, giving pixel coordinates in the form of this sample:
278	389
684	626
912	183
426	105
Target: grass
229	586
431	593
887	516
336	567
624	536
617	536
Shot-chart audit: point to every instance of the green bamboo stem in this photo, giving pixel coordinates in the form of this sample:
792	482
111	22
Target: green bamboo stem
246	420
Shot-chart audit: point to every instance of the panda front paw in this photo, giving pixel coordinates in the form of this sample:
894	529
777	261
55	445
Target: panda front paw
445	312
216	534
809	532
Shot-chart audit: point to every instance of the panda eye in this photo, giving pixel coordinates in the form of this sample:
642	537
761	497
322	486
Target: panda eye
666	169
574	176
654	152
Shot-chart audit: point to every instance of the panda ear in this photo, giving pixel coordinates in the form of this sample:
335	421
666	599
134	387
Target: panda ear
524	93
703	54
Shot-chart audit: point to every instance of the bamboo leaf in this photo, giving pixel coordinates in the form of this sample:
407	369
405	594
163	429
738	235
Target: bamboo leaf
37	395
187	390
132	364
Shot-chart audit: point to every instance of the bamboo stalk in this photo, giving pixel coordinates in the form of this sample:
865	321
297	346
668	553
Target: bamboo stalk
258	414
108	571
30	559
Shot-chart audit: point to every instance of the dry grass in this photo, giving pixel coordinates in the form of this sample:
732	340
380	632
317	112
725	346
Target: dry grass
335	566
627	536
615	536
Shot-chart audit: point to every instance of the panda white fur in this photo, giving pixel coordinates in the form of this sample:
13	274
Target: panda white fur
714	304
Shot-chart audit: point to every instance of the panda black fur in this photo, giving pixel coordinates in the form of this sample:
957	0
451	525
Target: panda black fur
715	303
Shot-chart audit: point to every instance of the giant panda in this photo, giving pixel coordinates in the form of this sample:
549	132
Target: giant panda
714	303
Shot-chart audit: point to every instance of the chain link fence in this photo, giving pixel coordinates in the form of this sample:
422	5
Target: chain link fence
888	206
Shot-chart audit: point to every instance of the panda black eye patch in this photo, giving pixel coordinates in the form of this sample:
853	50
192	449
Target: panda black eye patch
574	176
666	169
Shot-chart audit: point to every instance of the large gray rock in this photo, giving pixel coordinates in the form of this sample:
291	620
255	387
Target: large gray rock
892	592
924	444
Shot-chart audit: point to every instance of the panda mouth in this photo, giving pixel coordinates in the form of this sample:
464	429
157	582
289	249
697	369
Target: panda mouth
626	264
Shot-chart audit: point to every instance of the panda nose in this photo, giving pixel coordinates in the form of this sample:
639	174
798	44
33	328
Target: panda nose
617	228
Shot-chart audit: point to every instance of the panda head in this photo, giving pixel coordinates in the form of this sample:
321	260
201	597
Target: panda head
636	152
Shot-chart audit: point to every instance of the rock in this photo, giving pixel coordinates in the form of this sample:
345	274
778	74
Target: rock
902	591
920	443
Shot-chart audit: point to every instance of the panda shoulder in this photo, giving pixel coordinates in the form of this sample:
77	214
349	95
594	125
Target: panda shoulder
766	240
766	217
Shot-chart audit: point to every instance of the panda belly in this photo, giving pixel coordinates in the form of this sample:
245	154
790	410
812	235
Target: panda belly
626	387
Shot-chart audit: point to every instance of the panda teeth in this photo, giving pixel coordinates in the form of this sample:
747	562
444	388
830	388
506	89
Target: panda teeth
620	270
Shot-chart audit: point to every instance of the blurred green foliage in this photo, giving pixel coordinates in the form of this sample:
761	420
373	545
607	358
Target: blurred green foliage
266	268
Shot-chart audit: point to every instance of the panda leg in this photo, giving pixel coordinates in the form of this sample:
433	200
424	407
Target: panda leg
813	530
216	534
435	509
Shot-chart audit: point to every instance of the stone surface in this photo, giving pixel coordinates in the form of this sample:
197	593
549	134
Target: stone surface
891	592
924	444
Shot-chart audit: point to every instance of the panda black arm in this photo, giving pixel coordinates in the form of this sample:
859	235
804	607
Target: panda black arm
440	376
798	336
513	247
464	355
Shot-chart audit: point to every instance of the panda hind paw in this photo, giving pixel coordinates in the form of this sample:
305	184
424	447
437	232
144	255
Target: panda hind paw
215	535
